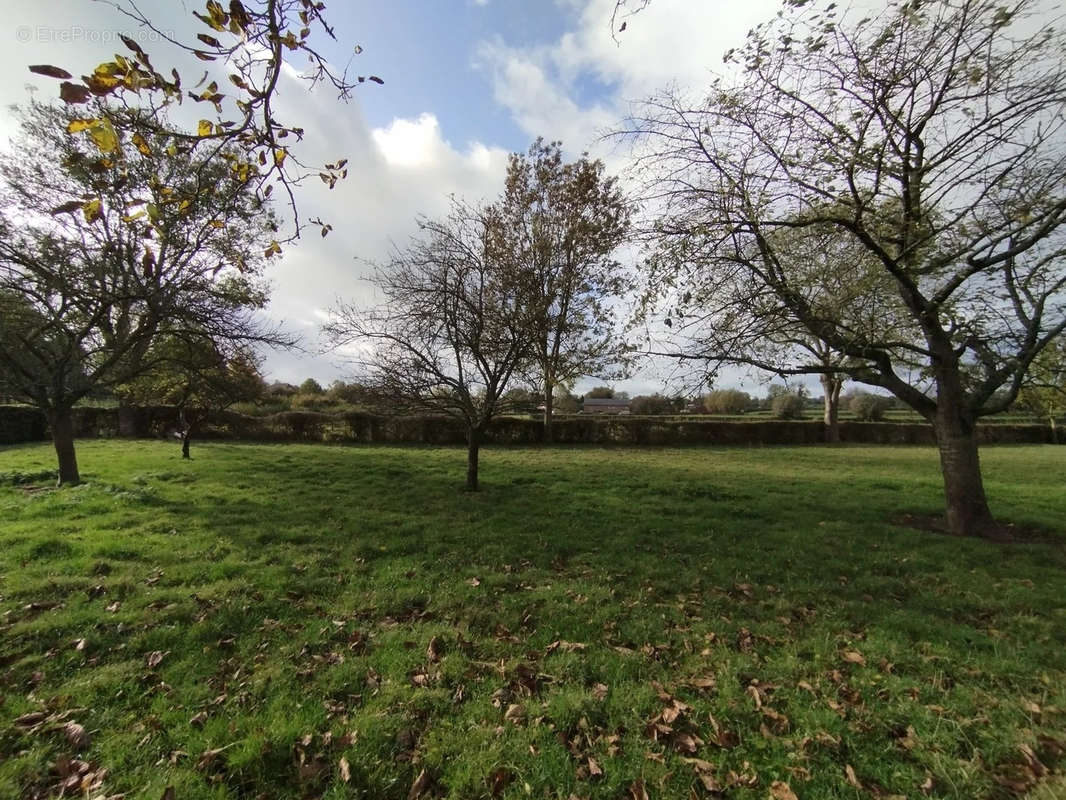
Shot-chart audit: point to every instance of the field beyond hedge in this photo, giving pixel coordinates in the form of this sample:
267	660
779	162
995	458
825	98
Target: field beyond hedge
305	621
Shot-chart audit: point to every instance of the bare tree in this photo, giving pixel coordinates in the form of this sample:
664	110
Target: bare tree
159	240
563	224
453	331
932	137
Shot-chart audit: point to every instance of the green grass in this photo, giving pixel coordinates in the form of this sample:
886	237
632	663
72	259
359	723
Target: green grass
757	605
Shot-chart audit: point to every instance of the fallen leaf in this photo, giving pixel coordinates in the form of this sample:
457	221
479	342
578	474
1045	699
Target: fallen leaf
594	767
345	769
599	691
76	735
433	651
111	609
779	790
854	657
474	582
79	644
155	658
515	714
637	790
498	780
853	779
705	772
208	757
420	787
703	683
198	720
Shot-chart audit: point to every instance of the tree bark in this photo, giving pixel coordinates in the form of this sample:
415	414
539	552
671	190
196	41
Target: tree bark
831	386
473	439
62	423
548	408
967	507
186	434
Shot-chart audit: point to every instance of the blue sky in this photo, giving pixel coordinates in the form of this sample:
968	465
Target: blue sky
466	82
426	52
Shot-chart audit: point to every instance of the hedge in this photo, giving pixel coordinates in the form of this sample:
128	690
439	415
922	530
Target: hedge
24	424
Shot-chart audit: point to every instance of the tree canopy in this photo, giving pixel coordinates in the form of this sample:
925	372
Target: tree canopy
161	241
930	137
563	223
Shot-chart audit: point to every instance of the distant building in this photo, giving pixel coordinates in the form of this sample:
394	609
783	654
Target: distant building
604	405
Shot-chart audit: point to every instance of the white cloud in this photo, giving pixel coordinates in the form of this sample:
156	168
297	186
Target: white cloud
670	42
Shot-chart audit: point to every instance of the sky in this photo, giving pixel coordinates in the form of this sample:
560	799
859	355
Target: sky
466	82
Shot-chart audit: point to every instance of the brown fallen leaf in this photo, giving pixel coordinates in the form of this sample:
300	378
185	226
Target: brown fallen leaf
474	582
421	786
498	780
31	719
637	790
113	607
76	734
927	785
155	658
345	769
779	790
433	651
705	683
515	714
594	767
853	779
705	772
854	657
79	644
198	720
599	691
208	757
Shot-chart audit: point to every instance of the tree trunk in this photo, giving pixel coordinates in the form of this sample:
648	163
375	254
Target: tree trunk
186	434
62	423
964	491
548	403
473	439
831	385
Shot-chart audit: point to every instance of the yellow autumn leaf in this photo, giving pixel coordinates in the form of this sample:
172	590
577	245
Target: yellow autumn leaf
218	224
142	144
204	128
93	210
79	125
103	135
131	217
279	157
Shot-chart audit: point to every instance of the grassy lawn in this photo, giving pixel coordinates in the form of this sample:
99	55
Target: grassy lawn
312	621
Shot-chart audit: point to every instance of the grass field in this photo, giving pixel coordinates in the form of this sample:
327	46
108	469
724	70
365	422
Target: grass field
310	621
